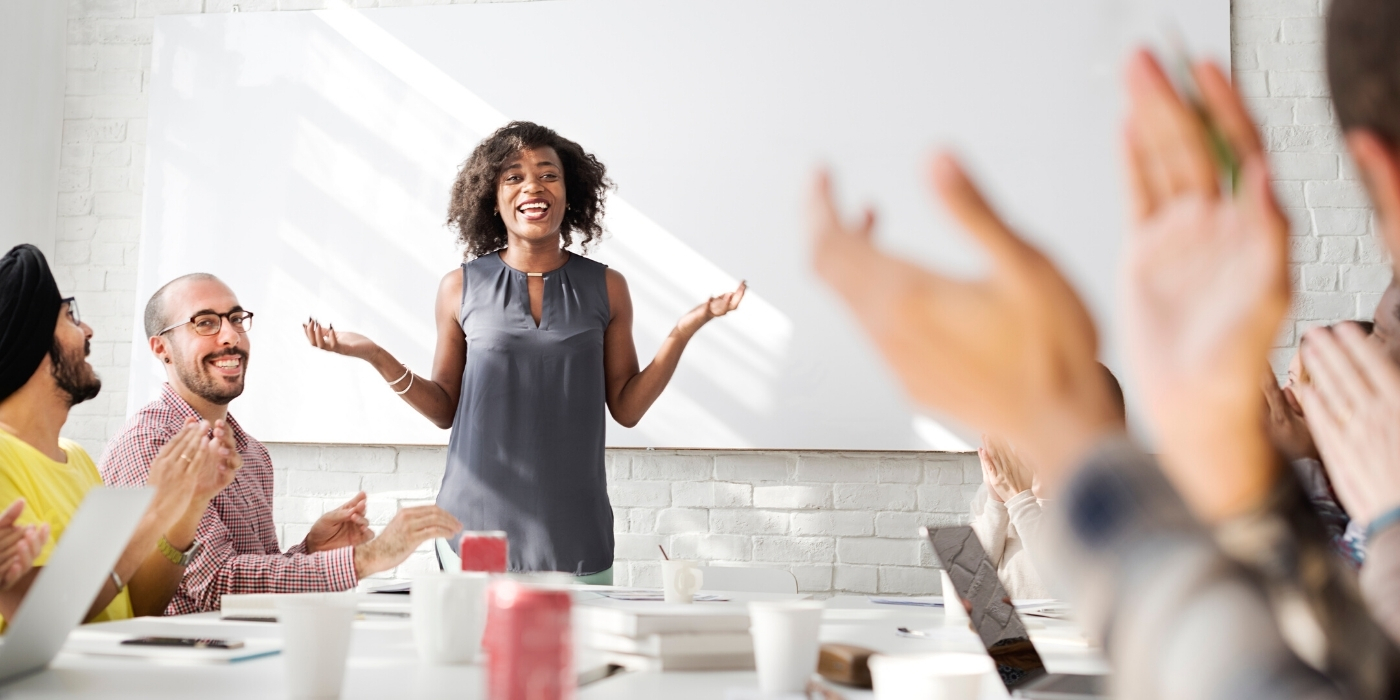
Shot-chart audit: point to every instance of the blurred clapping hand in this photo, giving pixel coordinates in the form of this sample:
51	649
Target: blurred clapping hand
1206	288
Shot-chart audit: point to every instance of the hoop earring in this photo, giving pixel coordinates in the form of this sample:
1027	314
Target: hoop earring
495	212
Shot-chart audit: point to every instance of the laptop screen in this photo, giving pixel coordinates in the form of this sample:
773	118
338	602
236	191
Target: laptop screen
993	616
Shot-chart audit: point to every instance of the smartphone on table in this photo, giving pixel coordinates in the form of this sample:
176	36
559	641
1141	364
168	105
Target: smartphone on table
186	642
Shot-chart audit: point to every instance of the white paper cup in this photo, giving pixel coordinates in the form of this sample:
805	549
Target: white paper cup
785	642
449	615
938	676
680	579
315	641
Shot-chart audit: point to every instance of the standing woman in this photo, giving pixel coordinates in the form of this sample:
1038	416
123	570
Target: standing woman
533	341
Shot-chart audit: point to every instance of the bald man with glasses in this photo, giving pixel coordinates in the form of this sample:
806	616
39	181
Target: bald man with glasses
200	333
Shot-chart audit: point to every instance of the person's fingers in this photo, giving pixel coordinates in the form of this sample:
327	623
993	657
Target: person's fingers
738	295
821	205
1377	369
1171	131
1339	381
1227	111
967	205
12	513
1140	192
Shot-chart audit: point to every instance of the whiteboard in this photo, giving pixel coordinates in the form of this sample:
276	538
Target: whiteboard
306	157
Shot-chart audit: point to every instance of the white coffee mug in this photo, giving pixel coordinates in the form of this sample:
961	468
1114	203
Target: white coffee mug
449	615
937	676
680	580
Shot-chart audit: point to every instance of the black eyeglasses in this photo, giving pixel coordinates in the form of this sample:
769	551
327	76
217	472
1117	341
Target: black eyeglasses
212	323
72	303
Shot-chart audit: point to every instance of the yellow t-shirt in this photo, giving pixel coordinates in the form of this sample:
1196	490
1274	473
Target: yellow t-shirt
52	492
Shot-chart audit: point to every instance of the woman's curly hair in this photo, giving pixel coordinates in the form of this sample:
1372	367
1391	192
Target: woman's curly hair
473	203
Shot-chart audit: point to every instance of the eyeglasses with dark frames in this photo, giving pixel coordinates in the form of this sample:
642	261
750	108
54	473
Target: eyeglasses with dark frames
211	323
72	303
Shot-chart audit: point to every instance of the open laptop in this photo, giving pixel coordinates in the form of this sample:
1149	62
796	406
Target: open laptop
995	620
70	580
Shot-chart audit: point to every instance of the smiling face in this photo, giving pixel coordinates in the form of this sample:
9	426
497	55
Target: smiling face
530	195
72	374
211	367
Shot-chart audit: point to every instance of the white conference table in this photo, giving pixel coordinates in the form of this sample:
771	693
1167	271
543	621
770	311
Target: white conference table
383	661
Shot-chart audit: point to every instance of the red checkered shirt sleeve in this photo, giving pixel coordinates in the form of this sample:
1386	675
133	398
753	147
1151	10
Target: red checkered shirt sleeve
240	553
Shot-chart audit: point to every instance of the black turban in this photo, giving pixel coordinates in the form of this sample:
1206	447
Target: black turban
29	304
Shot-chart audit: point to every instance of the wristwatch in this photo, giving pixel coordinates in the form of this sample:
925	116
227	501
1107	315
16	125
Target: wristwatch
177	557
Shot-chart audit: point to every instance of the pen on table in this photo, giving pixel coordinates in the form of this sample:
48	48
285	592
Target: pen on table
906	632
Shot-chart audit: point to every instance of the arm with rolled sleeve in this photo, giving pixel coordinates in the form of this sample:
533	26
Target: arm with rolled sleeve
239	551
220	569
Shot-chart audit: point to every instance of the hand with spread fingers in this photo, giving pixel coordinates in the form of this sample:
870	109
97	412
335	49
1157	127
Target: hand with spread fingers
345	526
1013	353
711	309
409	528
1207	288
1353	406
327	338
19	544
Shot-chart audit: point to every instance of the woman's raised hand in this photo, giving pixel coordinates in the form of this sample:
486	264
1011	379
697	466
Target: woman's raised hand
724	303
329	339
19	544
714	307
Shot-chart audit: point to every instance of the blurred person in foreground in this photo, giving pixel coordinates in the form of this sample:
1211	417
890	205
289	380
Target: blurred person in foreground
44	372
198	331
1353	400
1206	290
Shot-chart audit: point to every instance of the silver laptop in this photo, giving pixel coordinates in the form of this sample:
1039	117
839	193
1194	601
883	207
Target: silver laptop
70	580
995	620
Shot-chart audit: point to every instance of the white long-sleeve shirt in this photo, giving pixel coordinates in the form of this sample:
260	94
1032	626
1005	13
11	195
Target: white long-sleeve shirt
1009	532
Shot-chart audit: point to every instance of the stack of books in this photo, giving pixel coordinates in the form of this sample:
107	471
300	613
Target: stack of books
647	636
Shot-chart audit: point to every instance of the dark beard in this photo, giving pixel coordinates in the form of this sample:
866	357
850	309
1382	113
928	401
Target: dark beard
198	380
74	376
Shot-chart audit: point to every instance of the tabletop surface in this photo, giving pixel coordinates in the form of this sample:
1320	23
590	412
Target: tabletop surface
383	661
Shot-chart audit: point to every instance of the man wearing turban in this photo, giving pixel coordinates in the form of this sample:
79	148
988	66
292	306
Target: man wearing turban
44	372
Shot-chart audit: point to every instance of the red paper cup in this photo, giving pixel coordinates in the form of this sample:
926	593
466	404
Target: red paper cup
484	550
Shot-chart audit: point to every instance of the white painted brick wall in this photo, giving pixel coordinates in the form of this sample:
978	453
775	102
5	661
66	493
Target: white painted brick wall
679	500
822	515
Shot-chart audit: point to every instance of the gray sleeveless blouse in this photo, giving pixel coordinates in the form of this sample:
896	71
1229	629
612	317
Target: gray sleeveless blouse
526	452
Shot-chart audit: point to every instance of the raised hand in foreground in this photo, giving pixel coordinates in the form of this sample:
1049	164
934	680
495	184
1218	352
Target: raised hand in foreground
1353	406
1207	289
1012	353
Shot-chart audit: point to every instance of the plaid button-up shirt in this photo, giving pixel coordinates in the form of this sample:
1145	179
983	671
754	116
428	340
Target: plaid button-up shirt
240	553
